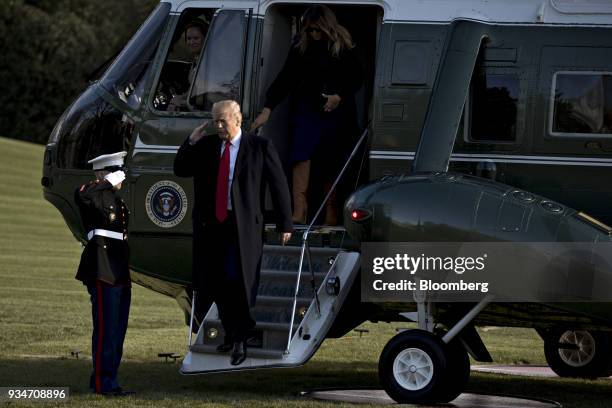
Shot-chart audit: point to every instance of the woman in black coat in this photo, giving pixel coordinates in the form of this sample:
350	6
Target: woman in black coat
321	75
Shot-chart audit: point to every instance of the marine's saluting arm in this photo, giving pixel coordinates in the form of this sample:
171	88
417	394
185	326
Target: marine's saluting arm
91	195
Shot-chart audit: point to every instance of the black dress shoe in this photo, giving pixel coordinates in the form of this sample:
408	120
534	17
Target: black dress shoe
225	347
118	392
239	353
124	393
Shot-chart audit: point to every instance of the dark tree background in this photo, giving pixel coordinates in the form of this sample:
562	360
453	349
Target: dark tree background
49	49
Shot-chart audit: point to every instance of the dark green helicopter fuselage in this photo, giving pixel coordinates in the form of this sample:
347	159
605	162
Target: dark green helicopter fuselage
476	99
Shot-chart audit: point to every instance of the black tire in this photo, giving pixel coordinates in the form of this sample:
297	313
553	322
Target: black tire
457	372
434	382
589	356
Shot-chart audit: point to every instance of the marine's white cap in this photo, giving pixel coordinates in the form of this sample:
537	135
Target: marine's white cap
108	160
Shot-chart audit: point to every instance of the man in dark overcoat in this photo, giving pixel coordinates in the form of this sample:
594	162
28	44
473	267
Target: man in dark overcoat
104	269
231	170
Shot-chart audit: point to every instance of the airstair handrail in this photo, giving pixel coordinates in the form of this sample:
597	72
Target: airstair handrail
306	247
333	187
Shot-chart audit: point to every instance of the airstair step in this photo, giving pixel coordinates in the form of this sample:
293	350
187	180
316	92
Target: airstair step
276	273
319	236
319	229
292	250
288	259
284	327
284	301
281	284
265	326
269	354
267	288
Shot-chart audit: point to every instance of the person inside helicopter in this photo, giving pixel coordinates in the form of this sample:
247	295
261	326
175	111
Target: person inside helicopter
179	70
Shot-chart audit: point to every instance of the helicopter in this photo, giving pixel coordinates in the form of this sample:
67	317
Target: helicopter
470	97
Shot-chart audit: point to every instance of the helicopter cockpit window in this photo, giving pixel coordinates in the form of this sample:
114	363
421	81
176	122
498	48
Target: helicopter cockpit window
127	75
219	73
492	108
179	68
205	62
582	103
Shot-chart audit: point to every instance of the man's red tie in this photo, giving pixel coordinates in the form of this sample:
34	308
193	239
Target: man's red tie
222	184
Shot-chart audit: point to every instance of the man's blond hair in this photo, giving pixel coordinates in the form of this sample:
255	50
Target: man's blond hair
230	106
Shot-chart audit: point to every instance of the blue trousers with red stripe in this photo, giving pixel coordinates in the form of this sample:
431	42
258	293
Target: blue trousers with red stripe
110	309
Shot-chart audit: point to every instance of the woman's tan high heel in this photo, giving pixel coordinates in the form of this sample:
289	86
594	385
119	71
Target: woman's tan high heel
301	176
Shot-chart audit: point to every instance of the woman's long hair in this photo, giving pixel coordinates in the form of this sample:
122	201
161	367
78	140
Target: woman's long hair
338	37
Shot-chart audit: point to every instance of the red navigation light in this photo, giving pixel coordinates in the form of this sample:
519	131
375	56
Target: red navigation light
359	214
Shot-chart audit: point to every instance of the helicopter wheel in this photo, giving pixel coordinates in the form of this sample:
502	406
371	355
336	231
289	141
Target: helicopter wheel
458	370
417	367
577	353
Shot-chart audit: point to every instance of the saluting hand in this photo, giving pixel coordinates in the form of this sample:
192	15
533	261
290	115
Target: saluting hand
115	178
198	133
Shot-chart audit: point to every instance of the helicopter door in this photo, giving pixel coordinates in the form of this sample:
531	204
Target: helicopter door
191	79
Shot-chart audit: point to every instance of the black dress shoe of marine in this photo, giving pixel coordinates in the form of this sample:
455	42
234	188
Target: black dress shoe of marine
239	353
123	393
118	392
225	347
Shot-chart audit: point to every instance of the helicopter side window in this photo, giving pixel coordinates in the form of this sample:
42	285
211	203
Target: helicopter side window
219	73
492	107
179	69
582	103
205	62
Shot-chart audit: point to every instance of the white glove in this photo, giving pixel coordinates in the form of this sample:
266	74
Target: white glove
115	178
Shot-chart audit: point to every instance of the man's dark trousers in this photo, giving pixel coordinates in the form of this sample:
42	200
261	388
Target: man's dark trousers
110	306
230	299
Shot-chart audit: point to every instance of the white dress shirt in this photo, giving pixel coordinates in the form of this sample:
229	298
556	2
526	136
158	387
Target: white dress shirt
234	147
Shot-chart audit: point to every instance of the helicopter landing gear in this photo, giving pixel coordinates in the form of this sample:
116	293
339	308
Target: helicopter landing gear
426	365
418	367
577	353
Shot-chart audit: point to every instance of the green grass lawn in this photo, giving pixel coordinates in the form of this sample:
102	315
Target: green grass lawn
45	314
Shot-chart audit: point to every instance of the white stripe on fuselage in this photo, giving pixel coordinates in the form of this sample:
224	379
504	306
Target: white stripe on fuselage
502	158
456	157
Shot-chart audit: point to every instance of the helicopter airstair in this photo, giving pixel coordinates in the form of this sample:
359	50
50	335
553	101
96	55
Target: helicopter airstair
295	308
300	293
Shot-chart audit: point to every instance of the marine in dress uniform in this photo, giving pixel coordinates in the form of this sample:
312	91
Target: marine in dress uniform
104	268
